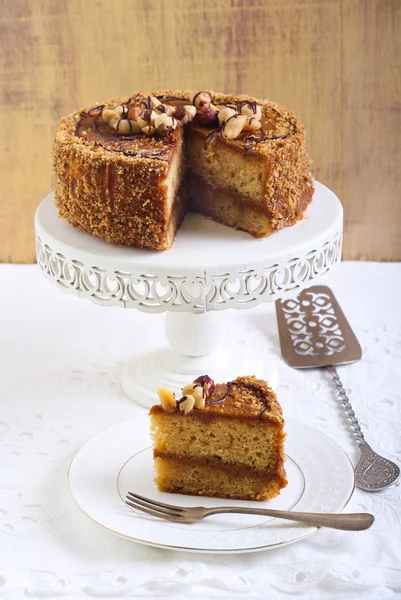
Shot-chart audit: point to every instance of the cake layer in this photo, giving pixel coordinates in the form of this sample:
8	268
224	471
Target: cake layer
228	207
233	469
177	476
225	164
252	443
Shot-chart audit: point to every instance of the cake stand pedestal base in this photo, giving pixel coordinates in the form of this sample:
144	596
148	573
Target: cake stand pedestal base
198	346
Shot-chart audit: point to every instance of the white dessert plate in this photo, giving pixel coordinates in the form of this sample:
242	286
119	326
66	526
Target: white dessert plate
119	459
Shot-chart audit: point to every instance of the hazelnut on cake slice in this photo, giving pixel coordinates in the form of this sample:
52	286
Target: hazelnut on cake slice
224	440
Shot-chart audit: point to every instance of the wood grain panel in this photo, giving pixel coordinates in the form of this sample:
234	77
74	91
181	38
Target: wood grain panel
371	103
58	56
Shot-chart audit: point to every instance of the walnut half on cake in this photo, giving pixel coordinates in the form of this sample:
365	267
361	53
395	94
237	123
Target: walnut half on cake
225	441
127	170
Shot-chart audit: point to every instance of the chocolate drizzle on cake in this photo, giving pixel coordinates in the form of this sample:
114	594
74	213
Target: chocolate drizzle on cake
146	104
96	110
272	128
220	393
223	391
93	129
262	396
126	139
252	105
174	100
211	136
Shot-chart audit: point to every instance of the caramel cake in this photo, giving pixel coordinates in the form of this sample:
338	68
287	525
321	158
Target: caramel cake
128	170
224	441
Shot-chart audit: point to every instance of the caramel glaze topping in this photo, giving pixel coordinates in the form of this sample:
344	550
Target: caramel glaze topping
245	397
91	127
257	393
274	126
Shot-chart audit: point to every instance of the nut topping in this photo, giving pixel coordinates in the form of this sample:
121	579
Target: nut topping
233	126
133	113
120	110
112	116
153	117
169	110
207	117
190	112
226	113
186	404
149	130
201	100
164	125
185	114
252	124
146	117
164	119
207	383
194	394
154	102
251	109
197	391
167	399
123	126
163	131
109	115
180	113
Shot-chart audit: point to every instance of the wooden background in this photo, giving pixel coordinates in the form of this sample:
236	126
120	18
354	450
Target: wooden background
336	63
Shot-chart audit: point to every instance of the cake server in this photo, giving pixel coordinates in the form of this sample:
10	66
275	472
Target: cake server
315	333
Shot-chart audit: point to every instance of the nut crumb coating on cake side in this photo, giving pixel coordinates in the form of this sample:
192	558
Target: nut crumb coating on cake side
123	197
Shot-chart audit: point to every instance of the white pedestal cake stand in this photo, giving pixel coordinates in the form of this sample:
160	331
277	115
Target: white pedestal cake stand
209	268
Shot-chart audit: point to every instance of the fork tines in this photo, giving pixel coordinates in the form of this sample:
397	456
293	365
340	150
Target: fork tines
153	507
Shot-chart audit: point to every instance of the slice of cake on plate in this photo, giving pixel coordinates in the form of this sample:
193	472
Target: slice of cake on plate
225	440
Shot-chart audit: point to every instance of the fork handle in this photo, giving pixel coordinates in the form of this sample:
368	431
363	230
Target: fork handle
347	405
348	522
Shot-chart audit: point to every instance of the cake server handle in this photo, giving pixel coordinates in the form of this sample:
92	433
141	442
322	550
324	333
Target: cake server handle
373	471
347	522
347	405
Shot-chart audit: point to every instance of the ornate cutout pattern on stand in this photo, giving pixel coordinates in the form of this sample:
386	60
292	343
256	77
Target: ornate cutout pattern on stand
187	293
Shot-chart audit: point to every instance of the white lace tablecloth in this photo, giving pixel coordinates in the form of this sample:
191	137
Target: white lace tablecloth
61	359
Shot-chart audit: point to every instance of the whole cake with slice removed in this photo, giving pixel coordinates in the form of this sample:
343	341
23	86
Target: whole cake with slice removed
224	440
129	169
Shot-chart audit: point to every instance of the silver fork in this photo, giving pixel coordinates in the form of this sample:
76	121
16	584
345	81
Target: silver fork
181	514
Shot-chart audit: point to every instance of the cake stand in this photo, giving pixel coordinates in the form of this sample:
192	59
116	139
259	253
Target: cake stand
210	268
